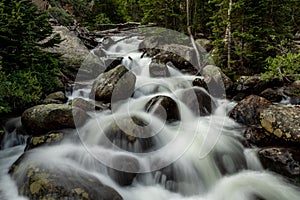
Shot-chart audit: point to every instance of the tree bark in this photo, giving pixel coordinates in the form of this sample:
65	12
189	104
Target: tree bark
228	35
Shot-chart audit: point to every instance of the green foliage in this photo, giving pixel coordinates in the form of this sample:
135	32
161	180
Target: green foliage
256	26
27	72
286	66
61	16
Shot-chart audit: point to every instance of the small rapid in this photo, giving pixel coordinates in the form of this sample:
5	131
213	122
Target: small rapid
194	158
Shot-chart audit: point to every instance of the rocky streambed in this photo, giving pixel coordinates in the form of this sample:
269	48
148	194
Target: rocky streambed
142	122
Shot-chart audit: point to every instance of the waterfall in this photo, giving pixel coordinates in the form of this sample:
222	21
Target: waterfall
194	158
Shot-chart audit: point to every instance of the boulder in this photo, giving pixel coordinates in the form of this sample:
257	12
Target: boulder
124	169
44	140
218	83
199	101
254	85
258	136
56	97
41	119
248	110
183	57
114	85
88	105
75	55
40	181
131	134
271	95
293	91
282	122
164	107
285	161
157	69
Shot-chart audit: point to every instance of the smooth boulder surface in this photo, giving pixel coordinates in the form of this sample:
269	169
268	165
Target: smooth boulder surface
41	119
163	107
125	169
35	180
114	85
199	101
131	134
248	110
282	122
218	83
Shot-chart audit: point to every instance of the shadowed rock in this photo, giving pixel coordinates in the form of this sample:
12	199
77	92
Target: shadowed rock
114	85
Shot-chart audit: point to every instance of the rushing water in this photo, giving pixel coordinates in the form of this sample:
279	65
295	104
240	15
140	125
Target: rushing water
196	158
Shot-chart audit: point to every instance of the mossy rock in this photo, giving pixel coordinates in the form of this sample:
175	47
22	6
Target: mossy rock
41	119
282	122
48	139
43	181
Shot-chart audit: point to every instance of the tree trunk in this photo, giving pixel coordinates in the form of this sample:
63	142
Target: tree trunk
228	35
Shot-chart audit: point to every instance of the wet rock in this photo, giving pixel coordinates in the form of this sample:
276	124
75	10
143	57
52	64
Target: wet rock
131	134
164	107
124	169
158	69
199	82
151	45
282	122
271	95
182	57
257	136
218	83
88	105
36	180
112	63
56	97
44	140
285	161
114	85
293	91
248	110
198	101
41	119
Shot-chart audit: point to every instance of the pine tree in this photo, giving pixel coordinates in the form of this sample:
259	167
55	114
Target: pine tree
27	71
257	27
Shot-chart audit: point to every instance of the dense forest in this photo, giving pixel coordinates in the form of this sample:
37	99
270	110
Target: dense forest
249	36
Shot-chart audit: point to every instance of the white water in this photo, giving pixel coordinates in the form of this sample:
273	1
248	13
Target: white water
197	158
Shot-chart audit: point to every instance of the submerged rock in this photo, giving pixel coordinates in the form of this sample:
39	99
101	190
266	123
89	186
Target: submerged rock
131	134
285	161
164	107
282	122
124	169
41	181
248	110
41	119
114	85
198	101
